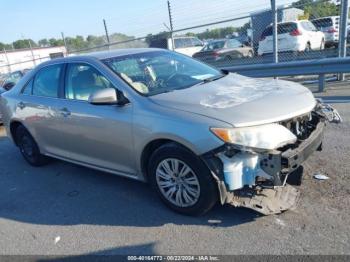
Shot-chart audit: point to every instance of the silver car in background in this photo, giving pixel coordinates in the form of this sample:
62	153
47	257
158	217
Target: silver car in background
197	134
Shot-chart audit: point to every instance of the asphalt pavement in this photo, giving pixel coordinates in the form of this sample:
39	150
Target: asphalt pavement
64	209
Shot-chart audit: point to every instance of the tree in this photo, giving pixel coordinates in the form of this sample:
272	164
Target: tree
24	43
316	9
43	42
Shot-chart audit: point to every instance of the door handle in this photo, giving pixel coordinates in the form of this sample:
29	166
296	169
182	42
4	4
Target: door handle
21	105
65	112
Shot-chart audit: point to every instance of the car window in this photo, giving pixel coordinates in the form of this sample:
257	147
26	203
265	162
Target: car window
267	32
324	22
233	43
179	43
286	28
82	80
196	42
308	26
46	82
27	89
214	45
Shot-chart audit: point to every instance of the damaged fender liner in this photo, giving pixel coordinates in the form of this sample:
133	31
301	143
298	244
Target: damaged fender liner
270	200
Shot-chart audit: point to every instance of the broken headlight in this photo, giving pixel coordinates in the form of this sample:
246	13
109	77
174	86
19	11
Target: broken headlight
263	137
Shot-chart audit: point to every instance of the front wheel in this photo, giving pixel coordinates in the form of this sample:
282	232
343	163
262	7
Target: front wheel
182	180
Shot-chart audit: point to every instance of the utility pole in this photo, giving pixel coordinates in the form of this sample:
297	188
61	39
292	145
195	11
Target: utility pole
31	50
343	31
171	25
107	36
275	31
64	41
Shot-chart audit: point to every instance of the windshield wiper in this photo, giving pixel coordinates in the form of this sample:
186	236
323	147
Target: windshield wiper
213	78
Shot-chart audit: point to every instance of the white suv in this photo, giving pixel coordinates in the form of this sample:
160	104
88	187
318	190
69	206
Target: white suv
330	27
186	45
293	36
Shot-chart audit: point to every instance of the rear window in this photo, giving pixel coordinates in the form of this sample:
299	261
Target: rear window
325	22
214	45
281	29
286	28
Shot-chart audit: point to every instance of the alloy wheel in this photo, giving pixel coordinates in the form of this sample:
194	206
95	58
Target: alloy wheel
177	182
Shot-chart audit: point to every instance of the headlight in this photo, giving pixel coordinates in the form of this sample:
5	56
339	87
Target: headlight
266	137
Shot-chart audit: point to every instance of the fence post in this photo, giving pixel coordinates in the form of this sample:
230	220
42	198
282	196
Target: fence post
171	25
7	60
65	43
275	32
343	31
31	50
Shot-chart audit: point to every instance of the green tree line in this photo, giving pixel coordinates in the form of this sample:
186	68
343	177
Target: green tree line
73	43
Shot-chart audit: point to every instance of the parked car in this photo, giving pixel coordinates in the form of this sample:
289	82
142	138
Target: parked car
186	45
330	27
197	134
224	50
11	79
294	36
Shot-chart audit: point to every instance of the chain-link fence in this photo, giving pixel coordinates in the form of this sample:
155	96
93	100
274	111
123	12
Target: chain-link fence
209	32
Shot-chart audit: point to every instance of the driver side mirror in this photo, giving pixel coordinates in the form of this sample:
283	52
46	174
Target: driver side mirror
108	96
9	85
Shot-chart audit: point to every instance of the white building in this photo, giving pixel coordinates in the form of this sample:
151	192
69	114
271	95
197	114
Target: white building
19	59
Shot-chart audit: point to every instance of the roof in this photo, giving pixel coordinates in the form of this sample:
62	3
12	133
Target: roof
120	52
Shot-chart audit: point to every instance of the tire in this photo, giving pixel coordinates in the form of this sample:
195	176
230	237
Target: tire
203	193
307	47
322	46
29	148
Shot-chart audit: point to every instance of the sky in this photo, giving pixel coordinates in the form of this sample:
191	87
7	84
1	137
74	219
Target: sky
37	19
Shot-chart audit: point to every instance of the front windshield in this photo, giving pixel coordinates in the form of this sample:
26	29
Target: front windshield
156	72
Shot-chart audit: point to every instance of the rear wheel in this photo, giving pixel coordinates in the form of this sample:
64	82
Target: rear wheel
29	147
322	46
307	47
182	180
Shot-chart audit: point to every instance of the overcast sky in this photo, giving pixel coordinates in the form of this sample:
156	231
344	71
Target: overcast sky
39	19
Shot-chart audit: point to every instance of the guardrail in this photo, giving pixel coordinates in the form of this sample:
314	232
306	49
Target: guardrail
319	67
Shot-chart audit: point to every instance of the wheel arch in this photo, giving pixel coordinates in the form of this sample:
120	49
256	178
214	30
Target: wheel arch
153	145
13	128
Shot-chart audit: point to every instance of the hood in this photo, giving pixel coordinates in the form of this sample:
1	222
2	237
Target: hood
242	101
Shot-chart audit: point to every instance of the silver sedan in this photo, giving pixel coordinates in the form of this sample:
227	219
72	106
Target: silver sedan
197	134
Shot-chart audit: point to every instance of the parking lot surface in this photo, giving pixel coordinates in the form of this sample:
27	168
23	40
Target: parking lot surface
64	209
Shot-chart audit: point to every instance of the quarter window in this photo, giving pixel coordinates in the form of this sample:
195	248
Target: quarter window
47	81
83	80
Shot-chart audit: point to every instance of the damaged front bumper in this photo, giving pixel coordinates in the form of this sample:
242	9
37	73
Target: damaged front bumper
257	180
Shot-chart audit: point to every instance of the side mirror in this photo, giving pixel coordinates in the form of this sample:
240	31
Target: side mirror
7	86
108	96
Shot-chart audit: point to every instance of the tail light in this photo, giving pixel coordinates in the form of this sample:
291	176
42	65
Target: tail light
332	30
295	32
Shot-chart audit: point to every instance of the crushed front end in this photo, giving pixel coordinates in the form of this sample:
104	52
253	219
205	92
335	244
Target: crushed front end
256	178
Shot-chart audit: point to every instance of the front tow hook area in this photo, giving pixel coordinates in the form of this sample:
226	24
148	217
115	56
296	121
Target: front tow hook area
267	201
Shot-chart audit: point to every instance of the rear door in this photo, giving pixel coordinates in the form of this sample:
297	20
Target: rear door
38	103
97	135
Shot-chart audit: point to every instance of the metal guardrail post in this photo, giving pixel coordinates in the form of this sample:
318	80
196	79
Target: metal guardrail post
343	31
321	82
275	31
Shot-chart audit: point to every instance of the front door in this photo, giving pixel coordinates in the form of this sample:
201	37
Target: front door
98	135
